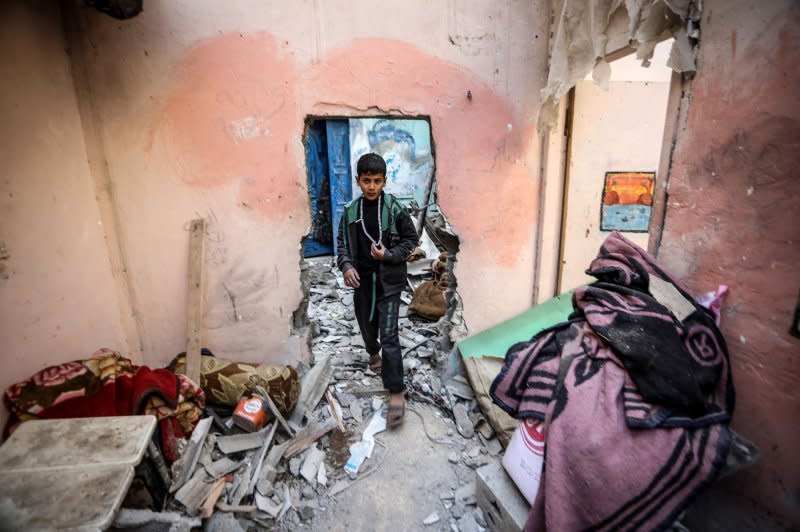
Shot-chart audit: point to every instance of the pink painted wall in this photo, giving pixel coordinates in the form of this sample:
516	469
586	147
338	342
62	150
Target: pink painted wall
732	218
201	110
58	301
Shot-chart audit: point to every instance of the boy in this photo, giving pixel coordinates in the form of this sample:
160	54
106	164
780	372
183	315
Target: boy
376	235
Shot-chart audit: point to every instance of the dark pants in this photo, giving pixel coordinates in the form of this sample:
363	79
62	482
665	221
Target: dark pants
380	331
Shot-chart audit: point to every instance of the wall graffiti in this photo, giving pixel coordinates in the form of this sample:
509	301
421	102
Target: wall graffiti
405	144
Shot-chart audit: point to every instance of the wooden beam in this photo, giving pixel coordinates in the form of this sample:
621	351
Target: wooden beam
194	334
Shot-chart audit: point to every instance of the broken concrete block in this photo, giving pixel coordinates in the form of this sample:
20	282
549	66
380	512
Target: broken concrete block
498	497
310	467
294	465
242	442
265	504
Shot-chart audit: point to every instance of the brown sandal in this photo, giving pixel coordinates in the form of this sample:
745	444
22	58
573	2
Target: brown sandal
375	363
396	410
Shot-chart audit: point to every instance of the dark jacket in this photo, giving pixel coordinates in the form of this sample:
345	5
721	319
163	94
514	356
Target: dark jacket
399	238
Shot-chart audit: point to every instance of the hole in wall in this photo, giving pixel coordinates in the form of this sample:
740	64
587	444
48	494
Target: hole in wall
430	317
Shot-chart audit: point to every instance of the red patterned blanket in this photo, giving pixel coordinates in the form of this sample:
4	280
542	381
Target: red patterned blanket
108	384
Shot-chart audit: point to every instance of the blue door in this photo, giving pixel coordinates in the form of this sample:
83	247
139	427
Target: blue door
329	186
320	240
338	140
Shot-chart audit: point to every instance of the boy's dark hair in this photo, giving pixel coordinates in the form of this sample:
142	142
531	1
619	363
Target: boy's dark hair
371	164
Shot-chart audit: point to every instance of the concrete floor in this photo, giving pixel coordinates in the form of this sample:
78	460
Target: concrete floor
410	474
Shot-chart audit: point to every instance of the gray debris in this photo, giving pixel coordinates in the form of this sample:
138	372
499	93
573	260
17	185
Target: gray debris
467	523
431	519
463	422
223	522
466	494
294	465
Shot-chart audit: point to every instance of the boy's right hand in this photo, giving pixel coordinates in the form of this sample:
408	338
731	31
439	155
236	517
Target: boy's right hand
351	278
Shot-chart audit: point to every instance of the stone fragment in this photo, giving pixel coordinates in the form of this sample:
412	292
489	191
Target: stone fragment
494	447
431	519
356	340
463	423
294	465
355	411
466	494
467	523
453	457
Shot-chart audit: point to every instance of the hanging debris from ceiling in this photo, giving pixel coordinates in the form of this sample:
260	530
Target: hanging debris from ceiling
582	42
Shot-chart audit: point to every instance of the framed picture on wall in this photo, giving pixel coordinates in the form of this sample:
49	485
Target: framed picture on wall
627	201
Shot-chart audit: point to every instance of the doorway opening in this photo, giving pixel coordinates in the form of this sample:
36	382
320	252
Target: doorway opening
614	149
431	308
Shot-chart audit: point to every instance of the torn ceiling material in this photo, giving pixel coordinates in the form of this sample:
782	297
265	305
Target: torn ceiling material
582	41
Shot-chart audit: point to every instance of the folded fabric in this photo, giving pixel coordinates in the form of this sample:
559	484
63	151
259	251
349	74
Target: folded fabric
225	381
107	384
623	449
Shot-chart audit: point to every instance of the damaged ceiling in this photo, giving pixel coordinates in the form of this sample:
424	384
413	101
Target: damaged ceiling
584	38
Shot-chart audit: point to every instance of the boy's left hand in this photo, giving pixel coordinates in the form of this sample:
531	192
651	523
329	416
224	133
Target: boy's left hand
377	251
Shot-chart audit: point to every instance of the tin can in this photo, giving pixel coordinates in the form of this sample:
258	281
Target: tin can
251	413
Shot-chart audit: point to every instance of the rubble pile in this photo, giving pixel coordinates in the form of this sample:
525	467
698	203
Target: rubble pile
282	476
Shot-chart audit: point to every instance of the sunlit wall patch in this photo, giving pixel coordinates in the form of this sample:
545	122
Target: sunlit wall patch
627	201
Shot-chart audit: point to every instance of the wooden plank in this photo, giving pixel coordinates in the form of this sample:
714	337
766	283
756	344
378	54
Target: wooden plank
208	506
335	409
194	334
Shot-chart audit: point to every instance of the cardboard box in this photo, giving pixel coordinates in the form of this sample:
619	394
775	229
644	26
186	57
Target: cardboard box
524	457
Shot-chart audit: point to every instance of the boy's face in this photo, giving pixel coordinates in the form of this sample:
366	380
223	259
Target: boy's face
371	185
